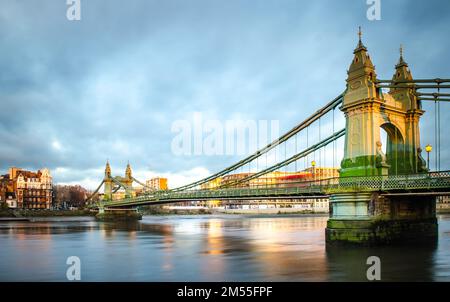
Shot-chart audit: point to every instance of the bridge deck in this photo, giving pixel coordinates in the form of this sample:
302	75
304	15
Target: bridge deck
434	182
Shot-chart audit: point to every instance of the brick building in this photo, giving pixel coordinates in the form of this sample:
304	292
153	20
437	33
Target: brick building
156	184
27	189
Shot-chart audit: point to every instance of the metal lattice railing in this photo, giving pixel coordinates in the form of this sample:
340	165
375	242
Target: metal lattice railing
436	181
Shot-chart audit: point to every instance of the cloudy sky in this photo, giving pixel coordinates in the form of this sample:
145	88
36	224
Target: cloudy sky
75	93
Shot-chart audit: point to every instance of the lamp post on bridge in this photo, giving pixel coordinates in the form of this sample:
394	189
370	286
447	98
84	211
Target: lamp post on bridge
428	148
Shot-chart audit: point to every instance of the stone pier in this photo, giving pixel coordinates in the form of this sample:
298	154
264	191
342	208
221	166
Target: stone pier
128	214
373	219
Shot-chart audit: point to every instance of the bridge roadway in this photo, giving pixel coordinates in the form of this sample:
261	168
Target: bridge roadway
426	183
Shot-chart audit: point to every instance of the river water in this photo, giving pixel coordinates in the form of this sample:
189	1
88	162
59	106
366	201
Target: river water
206	248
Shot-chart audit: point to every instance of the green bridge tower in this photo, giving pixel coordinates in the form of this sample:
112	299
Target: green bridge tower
368	217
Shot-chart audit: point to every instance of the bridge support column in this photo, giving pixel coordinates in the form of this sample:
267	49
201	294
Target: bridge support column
371	219
128	214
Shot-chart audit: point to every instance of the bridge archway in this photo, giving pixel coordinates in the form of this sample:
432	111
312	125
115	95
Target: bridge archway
394	147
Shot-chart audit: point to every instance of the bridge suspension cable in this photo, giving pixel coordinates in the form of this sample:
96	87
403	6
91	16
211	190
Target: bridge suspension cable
292	159
436	80
95	191
428	84
415	86
142	184
119	183
319	113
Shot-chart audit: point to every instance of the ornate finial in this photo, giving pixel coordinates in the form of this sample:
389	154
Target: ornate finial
360	43
401	61
107	168
128	170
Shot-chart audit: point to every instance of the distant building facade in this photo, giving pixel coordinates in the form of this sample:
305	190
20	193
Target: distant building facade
276	178
26	189
443	203
279	179
319	173
212	184
232	179
156	184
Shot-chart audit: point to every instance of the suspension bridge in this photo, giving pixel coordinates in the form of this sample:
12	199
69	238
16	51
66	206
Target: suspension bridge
384	191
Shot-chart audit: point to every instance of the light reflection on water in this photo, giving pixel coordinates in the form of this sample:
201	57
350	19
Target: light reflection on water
206	248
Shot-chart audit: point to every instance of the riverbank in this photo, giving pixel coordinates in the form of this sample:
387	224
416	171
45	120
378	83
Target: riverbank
13	219
44	213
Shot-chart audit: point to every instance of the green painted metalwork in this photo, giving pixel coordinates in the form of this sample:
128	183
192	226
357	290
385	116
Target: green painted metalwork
435	181
292	159
303	125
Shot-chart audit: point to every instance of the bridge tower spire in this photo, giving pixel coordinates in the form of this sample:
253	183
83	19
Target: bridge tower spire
361	99
107	170
128	172
128	181
402	73
405	95
108	183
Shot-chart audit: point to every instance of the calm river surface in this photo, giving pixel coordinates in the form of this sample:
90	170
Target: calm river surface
206	248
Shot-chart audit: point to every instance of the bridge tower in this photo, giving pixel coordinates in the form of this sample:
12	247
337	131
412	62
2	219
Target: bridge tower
108	183
128	181
367	217
113	184
368	110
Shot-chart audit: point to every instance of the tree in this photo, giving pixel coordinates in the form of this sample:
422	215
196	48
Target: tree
71	196
3	206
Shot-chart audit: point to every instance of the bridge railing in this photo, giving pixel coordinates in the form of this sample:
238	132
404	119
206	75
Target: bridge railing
432	180
424	181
